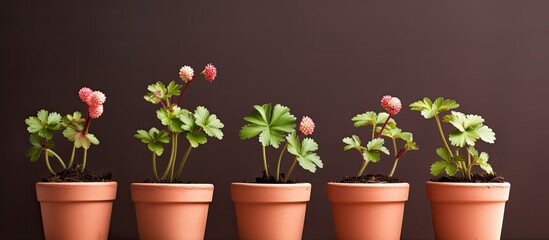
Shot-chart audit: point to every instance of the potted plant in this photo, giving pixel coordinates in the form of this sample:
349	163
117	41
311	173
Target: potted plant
470	206
73	201
372	206
274	206
165	207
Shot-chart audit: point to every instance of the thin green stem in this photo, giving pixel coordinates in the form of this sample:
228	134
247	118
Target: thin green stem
373	131
364	164
56	156
167	171
265	162
84	160
173	162
183	161
155	172
290	170
280	160
394	167
442	135
48	163
395	146
72	155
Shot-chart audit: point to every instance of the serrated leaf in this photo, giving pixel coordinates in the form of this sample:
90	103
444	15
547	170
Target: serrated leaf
34	124
34	153
35	140
486	134
469	128
54	119
188	120
451	169
158	89
370	155
81	141
173	89
270	126
365	119
429	109
171	118
437	167
70	134
209	122
93	140
305	152
43	116
443	153
154	139
195	139
352	143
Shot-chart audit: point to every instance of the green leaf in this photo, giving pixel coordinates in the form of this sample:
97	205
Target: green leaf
173	89
429	109
305	152
411	145
377	145
157	91
154	139
188	120
171	118
209	122
352	143
70	134
81	140
444	154
195	139
371	118
44	123
35	140
370	155
34	153
43	116
438	166
365	119
92	138
34	124
469	128
73	121
270	126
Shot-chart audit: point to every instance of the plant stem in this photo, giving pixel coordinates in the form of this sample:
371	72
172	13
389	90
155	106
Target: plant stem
373	132
174	157
265	162
290	170
163	105
87	126
394	167
384	124
72	155
167	171
364	164
183	161
280	160
155	172
442	135
48	163
56	156
84	160
395	146
183	91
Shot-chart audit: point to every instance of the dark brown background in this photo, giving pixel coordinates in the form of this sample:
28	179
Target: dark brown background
327	59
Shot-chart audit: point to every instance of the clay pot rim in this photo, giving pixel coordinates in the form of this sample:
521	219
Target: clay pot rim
167	185
77	183
373	185
468	184
271	185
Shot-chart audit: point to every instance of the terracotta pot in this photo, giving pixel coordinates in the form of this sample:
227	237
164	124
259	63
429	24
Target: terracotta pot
270	211
171	211
76	210
368	210
467	210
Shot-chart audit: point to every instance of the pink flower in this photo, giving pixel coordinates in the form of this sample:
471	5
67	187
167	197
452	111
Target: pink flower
84	94
97	98
186	73
210	72
96	111
393	106
307	126
385	100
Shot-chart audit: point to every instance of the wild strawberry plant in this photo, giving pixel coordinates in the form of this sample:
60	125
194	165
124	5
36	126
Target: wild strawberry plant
45	124
195	126
275	126
463	155
382	125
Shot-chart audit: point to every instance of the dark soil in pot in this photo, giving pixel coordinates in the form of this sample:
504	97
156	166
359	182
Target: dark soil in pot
74	174
475	178
371	178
